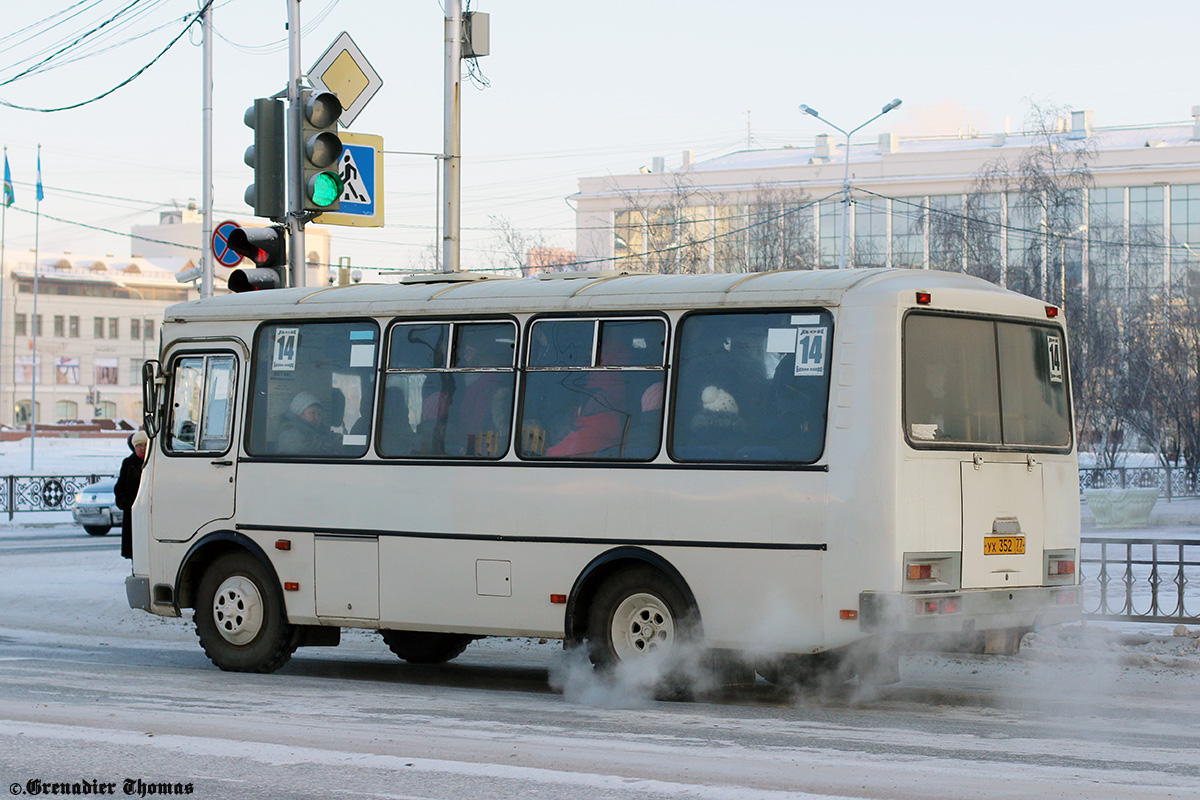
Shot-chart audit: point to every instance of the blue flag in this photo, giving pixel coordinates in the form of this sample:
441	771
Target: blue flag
40	195
9	196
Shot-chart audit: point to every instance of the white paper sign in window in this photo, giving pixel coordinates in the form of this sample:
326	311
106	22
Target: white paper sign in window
283	352
1054	346
810	351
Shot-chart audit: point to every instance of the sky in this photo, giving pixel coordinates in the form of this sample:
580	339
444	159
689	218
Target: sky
572	90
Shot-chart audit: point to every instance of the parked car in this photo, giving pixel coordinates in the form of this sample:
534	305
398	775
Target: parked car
96	507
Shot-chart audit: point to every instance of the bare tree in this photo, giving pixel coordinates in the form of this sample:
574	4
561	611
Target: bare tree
523	253
686	229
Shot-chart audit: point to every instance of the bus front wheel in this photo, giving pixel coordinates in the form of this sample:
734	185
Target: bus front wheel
638	616
425	647
239	616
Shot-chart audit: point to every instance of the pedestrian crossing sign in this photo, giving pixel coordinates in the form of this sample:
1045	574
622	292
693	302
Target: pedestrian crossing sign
361	170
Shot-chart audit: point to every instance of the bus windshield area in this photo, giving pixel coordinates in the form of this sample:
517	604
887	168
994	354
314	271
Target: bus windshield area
984	382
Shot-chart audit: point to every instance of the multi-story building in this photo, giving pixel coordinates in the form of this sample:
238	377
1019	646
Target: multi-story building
96	322
1064	211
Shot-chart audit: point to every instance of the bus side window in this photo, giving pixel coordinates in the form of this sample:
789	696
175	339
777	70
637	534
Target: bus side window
449	390
307	377
739	394
585	392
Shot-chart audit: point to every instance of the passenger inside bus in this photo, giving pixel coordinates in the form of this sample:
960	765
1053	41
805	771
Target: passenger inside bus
478	419
396	435
597	404
304	430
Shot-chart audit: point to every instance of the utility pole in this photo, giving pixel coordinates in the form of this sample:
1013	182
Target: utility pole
451	177
206	265
294	126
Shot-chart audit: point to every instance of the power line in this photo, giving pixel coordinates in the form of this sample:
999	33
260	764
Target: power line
122	84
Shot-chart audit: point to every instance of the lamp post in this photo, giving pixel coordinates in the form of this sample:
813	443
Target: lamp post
812	112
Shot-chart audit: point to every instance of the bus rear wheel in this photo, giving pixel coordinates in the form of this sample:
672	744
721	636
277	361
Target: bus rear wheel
639	617
239	616
426	647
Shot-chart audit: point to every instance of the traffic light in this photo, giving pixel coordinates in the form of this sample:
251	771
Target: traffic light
266	195
267	248
320	150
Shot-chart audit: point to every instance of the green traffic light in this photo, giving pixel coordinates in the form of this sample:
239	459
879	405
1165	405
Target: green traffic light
324	188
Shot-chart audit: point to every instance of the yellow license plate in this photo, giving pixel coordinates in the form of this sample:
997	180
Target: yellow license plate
1004	545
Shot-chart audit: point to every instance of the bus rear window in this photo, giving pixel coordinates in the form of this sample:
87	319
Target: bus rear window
984	382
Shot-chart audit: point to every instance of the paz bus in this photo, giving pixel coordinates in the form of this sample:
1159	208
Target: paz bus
790	466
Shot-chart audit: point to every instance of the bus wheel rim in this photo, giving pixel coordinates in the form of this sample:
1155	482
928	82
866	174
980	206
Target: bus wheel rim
238	610
642	627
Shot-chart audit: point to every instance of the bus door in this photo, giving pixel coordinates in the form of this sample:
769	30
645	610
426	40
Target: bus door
196	470
1003	509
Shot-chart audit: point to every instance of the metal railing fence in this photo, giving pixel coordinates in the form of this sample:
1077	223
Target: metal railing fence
1171	482
1139	579
41	492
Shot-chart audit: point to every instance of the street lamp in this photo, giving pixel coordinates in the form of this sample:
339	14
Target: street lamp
812	112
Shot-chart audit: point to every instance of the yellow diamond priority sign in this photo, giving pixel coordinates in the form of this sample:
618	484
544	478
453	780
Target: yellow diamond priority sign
345	71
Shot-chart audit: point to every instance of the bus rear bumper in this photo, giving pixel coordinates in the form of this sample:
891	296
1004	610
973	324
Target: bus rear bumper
969	611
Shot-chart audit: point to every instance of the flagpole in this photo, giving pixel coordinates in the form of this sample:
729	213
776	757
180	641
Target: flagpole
37	224
8	200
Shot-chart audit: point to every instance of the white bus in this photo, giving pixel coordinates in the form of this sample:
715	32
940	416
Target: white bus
790	466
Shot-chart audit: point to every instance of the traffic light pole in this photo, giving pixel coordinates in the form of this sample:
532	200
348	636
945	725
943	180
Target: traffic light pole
295	184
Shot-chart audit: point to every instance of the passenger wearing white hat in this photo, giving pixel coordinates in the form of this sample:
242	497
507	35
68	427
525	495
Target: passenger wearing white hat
304	430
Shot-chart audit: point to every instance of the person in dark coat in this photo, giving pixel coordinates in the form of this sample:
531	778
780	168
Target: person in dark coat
127	488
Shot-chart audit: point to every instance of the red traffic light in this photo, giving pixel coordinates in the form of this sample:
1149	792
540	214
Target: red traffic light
267	248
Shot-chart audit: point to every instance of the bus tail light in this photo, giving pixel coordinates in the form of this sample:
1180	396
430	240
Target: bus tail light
931	572
920	572
1062	567
1059	567
936	605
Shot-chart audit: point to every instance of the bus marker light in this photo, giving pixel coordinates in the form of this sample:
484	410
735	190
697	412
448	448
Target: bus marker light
283	544
291	586
1051	311
558	599
848	613
924	298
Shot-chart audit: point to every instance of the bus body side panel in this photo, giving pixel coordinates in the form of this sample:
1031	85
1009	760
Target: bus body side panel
506	537
861	452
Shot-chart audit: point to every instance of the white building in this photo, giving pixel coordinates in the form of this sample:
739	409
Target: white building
916	203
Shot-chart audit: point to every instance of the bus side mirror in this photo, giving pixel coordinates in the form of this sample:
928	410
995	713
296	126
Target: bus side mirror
152	383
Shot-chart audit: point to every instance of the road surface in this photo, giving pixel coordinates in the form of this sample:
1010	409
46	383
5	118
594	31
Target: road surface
96	696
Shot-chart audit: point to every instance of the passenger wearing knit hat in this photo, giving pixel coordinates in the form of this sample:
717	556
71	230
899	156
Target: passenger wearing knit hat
302	402
304	430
